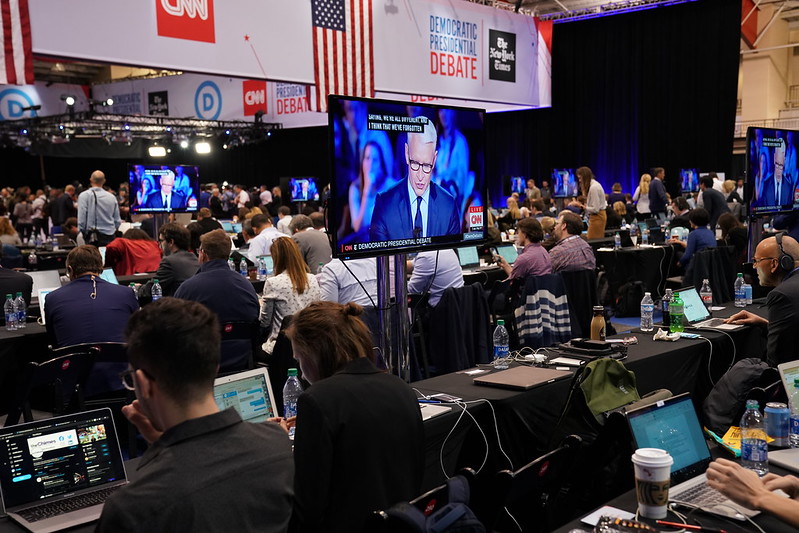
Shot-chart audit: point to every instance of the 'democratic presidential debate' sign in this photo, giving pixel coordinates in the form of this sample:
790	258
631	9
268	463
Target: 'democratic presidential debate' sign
462	50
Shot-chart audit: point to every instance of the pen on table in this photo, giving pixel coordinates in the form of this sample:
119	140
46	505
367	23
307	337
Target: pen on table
690	526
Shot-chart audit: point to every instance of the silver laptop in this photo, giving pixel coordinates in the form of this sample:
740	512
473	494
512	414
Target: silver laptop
56	473
468	258
697	315
43	279
249	393
672	425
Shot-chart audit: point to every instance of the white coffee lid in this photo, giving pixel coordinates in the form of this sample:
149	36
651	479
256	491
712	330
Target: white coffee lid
652	457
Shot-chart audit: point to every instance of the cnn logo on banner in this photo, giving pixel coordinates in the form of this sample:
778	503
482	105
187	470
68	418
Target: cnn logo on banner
475	217
186	19
253	96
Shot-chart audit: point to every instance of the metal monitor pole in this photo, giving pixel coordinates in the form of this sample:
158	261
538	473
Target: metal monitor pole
393	326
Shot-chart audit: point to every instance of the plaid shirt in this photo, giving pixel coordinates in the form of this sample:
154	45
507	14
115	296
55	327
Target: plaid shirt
572	253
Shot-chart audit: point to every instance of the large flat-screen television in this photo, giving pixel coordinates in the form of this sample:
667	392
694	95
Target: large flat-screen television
303	189
689	180
564	183
163	188
771	168
404	178
518	184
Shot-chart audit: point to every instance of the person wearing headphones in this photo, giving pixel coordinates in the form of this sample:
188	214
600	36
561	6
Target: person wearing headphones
777	261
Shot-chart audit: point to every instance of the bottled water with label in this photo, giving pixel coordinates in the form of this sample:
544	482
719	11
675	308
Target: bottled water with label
157	292
706	293
647	312
22	311
645	236
754	449
676	314
617	241
501	348
740	295
33	260
291	392
10	313
794	405
231	265
261	269
243	267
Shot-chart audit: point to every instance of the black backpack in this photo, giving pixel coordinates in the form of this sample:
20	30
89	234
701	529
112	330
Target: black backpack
628	301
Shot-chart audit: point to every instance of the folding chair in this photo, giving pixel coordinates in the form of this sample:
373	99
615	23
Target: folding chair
64	376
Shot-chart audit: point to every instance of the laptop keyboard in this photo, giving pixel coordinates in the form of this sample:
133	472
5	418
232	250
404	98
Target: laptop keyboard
76	503
701	495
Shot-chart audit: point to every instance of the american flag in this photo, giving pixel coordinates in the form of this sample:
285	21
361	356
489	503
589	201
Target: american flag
16	55
343	61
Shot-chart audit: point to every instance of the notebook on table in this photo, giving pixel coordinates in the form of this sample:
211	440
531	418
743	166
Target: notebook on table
697	315
672	425
56	473
521	377
249	393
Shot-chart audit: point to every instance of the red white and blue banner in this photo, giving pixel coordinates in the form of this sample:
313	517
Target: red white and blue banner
16	101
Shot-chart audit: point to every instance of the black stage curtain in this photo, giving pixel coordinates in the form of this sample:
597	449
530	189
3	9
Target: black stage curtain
654	88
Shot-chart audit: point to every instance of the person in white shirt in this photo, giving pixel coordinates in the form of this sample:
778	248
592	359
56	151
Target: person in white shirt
284	219
354	280
265	234
242	196
434	272
265	196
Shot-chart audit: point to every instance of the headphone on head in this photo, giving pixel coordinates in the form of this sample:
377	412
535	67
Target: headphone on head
786	261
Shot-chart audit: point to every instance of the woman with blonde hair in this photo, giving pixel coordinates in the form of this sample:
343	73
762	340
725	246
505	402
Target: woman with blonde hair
291	289
8	235
641	197
511	215
595	203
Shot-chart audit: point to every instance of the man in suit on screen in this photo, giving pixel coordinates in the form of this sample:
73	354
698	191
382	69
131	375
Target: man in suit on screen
416	207
167	197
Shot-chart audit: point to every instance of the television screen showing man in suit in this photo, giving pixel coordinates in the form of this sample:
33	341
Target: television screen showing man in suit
772	170
405	177
164	188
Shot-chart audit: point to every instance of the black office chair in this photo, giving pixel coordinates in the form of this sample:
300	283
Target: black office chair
62	377
529	497
233	336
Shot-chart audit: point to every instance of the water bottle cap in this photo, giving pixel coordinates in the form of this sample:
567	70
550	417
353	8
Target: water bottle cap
500	322
155	280
8	296
752	404
292	372
796	383
647	294
19	294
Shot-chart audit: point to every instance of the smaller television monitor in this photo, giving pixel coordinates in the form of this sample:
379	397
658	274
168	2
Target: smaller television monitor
303	189
518	184
564	183
689	180
163	188
772	173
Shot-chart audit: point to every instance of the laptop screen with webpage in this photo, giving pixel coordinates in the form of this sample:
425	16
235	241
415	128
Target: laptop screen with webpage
249	393
695	310
508	252
672	425
59	456
468	256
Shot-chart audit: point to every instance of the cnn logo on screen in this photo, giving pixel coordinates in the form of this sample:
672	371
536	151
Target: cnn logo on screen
186	19
475	217
254	96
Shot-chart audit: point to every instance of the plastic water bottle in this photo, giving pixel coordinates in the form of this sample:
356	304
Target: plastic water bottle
645	237
647	311
747	294
21	309
231	265
754	449
794	405
291	391
133	288
11	314
54	244
617	242
33	260
243	267
261	269
156	291
740	295
501	348
706	293
665	302
676	313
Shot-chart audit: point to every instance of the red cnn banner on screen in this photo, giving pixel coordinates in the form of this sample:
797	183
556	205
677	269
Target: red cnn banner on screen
254	96
192	20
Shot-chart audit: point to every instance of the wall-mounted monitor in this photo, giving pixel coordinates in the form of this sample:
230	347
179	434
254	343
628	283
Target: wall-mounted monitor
564	183
771	168
689	180
404	177
163	188
303	189
518	184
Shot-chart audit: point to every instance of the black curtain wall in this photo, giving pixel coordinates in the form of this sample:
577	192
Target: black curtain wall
654	88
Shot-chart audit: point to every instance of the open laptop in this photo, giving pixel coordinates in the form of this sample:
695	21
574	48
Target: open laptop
697	315
56	473
522	377
672	425
468	258
788	459
249	393
508	252
109	276
42	294
43	279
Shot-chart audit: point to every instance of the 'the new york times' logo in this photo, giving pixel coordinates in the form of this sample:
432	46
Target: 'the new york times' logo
501	55
186	19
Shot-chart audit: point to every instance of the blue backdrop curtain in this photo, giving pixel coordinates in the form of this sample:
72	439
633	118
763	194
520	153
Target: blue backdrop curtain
654	88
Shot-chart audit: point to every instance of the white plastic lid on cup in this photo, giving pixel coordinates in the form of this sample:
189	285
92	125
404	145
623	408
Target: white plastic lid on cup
652	457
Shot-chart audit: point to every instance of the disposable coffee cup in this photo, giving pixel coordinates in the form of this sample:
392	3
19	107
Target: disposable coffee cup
652	480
